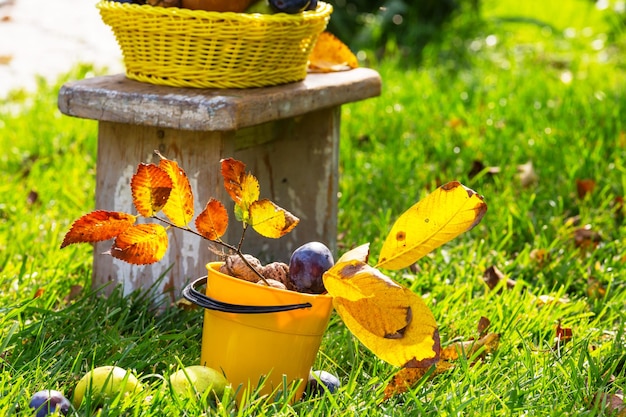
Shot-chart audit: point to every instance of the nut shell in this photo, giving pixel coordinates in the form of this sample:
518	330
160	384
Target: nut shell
237	6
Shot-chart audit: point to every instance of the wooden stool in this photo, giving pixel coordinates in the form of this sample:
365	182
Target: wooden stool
288	137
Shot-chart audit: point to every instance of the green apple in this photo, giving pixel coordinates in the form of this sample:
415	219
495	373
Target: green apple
196	380
105	383
260	6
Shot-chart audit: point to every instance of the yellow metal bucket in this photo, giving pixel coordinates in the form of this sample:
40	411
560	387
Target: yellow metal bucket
254	333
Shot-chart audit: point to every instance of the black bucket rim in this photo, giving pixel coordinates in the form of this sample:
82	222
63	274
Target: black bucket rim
191	294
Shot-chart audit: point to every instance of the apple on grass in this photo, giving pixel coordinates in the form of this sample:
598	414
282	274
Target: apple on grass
105	383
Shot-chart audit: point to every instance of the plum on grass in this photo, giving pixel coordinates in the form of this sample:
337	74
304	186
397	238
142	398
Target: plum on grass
307	265
320	379
46	402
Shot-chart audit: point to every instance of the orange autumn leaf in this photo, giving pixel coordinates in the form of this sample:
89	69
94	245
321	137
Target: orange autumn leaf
141	244
483	346
408	378
441	216
330	54
271	221
213	220
389	319
97	226
151	187
179	206
242	187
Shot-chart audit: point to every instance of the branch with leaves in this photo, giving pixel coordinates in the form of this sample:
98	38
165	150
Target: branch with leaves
166	188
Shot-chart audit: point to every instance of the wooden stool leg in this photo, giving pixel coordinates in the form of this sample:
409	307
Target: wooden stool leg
121	147
296	161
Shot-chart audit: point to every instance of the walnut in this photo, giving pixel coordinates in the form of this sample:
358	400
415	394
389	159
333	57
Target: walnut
236	267
272	283
165	3
278	271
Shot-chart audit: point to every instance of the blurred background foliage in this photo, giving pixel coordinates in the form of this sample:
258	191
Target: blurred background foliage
404	28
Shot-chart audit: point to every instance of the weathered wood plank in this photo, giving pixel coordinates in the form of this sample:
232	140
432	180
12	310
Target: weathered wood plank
115	98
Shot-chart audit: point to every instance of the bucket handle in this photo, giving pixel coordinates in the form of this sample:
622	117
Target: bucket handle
196	297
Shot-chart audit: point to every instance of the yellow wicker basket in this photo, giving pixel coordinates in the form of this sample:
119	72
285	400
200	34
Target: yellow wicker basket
194	48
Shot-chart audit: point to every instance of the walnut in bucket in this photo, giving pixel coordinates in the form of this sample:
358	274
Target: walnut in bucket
236	267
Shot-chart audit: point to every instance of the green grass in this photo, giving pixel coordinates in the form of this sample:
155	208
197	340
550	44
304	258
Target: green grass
538	93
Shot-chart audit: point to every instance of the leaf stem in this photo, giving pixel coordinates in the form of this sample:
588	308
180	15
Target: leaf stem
236	249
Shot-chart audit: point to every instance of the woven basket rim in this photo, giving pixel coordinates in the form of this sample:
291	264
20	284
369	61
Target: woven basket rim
323	9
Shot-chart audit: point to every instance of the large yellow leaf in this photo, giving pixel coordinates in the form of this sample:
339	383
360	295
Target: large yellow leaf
271	221
141	244
179	206
97	226
213	220
389	319
150	187
440	217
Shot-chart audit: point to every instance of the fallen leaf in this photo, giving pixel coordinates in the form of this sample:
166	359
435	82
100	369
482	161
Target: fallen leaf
493	276
562	336
549	299
483	325
483	346
407	378
585	187
435	220
612	403
75	291
587	239
478	167
330	54
540	256
32	197
527	175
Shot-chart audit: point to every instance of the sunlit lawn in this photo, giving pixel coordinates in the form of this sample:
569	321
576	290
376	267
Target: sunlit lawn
522	112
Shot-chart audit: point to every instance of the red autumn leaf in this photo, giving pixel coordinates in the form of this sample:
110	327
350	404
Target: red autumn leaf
493	276
243	188
97	226
234	173
585	187
179	206
213	221
483	325
141	244
151	187
563	335
586	238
